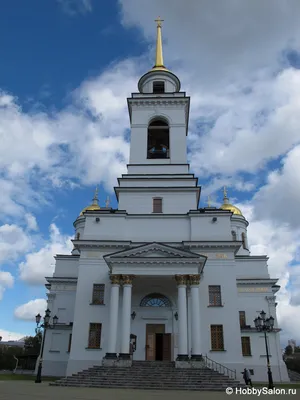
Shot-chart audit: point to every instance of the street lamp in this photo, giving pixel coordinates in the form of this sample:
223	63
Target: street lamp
46	325
263	324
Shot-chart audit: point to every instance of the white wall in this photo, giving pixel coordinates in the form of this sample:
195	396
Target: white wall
90	271
173	202
66	267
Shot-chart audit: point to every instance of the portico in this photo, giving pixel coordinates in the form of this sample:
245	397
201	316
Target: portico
135	267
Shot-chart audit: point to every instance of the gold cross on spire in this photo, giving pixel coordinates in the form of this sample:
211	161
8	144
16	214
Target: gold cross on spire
225	192
159	60
159	21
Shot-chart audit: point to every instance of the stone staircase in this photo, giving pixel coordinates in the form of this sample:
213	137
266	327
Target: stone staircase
153	375
294	376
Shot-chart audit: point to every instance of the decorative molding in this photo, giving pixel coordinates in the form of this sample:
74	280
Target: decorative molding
221	255
115	279
181	279
162	102
253	289
194	279
127	279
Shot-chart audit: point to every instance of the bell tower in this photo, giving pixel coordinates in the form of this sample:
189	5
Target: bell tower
158	115
158	174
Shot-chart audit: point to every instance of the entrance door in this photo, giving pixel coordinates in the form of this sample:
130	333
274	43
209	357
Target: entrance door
151	331
166	355
158	343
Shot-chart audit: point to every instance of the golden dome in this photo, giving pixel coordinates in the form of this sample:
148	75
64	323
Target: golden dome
229	207
94	206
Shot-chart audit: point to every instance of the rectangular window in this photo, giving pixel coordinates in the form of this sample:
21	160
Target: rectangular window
217	340
246	348
158	87
98	293
214	295
95	336
70	342
157	205
242	315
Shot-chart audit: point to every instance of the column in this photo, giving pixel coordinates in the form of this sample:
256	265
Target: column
113	321
195	317
126	317
182	318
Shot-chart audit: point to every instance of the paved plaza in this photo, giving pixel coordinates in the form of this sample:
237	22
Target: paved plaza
21	390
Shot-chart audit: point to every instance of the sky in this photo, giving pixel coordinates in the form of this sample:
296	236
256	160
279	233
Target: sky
66	69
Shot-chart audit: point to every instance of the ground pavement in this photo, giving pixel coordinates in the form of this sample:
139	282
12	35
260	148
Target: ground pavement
24	390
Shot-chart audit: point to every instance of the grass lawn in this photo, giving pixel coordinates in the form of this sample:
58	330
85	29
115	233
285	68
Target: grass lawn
24	377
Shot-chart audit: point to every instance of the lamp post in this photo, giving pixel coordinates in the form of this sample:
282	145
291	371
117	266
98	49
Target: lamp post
46	325
263	324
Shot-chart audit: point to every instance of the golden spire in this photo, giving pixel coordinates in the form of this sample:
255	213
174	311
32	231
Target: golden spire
159	61
225	193
95	198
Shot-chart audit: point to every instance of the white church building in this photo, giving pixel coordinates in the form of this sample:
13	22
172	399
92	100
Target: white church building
159	278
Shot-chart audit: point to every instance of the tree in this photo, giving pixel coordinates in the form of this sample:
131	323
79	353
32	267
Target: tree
288	351
33	344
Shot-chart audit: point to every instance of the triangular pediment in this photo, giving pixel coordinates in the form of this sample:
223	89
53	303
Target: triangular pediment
154	250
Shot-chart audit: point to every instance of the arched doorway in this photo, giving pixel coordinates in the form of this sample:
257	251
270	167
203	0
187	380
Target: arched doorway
158	342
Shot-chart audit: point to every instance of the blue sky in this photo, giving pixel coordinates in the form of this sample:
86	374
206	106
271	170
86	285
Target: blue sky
66	69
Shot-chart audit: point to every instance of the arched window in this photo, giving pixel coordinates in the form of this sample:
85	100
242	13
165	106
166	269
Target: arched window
78	236
233	234
158	139
244	241
155	300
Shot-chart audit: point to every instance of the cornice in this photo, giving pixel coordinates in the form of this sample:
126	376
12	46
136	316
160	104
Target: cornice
251	282
158	260
213	245
155	102
61	280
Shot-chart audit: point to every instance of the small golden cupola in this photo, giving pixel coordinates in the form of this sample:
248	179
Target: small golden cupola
94	206
227	206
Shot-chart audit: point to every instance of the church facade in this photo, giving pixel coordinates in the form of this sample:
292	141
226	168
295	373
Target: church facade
160	278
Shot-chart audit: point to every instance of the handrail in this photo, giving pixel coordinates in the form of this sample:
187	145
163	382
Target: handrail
215	366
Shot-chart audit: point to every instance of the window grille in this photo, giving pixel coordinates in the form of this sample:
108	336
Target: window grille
242	315
217	340
215	295
246	347
158	87
155	300
98	293
95	335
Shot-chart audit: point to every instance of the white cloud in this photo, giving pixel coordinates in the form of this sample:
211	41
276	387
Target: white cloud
279	199
39	264
8	335
6	281
281	245
14	242
31	222
29	310
218	41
